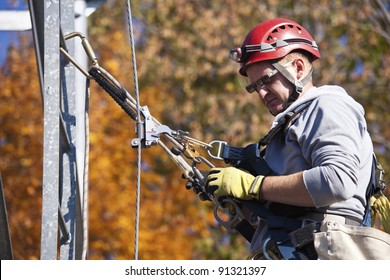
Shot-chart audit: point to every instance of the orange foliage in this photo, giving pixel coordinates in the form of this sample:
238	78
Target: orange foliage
21	149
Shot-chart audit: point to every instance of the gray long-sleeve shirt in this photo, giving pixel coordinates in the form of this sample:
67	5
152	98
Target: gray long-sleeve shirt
330	143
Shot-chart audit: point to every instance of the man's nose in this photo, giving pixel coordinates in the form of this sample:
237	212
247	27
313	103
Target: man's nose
262	92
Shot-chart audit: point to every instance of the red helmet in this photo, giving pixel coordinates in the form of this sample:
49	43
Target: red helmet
273	39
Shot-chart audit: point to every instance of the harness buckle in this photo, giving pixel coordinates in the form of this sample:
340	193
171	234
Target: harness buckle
218	145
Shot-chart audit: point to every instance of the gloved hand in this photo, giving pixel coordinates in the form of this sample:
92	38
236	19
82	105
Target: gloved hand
231	181
197	186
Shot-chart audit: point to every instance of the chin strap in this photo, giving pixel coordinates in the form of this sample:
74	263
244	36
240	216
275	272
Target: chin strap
298	84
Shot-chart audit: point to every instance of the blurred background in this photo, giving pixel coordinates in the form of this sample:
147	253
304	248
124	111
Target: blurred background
189	83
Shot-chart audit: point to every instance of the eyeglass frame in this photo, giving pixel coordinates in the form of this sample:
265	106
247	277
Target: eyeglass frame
264	80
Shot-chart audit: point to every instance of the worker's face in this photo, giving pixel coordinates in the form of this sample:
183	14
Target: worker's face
275	93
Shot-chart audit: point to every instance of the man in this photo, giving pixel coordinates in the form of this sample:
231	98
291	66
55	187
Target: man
322	160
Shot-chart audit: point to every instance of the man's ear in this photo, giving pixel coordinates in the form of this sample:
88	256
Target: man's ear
299	66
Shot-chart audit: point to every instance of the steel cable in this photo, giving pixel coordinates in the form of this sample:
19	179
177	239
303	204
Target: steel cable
139	129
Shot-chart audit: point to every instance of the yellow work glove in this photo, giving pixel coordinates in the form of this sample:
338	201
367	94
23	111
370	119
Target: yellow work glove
231	181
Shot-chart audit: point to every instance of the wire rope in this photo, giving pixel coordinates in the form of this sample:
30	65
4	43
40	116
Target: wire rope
139	129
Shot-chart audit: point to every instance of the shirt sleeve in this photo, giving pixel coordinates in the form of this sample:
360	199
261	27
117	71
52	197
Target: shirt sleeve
332	130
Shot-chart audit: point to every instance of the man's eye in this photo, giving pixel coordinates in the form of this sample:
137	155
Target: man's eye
265	81
260	83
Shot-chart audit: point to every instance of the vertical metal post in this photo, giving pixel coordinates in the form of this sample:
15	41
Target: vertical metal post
65	102
68	178
51	129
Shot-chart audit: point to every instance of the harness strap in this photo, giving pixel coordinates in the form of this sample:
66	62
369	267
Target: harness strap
232	154
245	229
324	217
239	153
284	123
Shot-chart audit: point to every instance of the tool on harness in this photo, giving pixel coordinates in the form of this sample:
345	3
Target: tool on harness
378	205
376	187
381	207
233	221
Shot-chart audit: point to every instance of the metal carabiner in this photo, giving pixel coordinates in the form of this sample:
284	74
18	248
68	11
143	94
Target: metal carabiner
88	50
219	146
194	141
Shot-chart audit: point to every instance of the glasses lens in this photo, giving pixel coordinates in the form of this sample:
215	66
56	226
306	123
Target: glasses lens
266	79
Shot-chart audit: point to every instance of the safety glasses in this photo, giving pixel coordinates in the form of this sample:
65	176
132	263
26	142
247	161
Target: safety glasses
264	80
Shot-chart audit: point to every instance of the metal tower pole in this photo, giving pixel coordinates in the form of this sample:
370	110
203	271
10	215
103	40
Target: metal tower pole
61	202
51	128
65	100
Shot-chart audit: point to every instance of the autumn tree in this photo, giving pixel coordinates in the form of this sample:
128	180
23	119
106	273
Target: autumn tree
21	148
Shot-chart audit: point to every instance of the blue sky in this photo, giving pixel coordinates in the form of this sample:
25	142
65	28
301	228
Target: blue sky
8	37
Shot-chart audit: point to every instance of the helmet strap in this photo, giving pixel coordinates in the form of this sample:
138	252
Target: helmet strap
298	84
